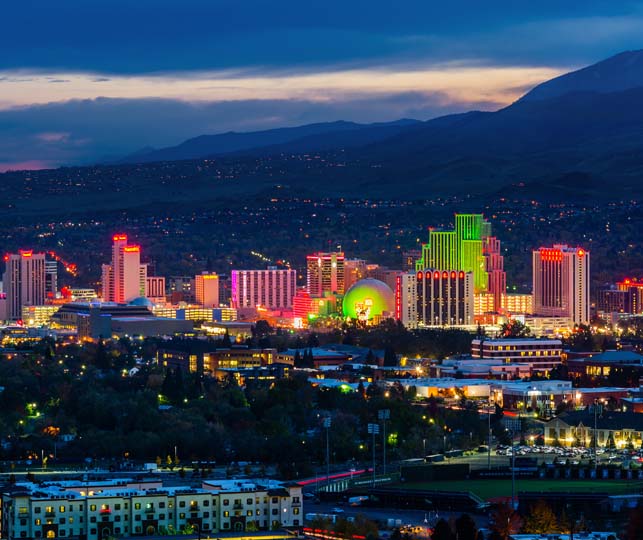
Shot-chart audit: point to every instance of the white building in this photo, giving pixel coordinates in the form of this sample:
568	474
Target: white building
24	281
542	354
272	288
206	287
125	278
123	507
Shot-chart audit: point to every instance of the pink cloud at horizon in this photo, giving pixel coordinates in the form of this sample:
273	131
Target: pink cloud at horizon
31	165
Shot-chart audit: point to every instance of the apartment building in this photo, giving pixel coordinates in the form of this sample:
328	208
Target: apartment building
61	510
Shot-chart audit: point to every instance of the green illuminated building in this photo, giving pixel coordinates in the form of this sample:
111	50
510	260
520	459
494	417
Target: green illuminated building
460	249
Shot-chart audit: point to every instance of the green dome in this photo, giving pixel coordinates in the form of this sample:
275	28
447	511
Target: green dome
368	298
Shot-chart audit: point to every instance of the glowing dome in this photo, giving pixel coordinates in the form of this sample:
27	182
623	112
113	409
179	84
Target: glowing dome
368	298
142	302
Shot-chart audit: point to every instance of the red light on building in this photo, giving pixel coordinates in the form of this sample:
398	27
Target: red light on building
581	252
132	249
6	258
445	274
436	275
453	274
120	238
420	275
461	275
26	253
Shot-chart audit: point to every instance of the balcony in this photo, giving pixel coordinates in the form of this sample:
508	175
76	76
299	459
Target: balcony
194	508
150	510
238	507
51	514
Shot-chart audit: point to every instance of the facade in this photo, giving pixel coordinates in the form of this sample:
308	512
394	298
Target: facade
518	303
24	281
51	278
325	273
543	354
354	270
440	298
561	282
611	428
199	357
271	289
126	508
155	289
469	248
38	315
206	289
125	278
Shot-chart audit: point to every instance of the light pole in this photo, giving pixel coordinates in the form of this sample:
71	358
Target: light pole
326	423
373	429
489	423
384	415
424	448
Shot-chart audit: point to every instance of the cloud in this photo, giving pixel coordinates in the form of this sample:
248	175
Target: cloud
87	131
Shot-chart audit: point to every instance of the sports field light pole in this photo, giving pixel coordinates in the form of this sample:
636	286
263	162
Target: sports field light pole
373	429
489	423
384	415
326	423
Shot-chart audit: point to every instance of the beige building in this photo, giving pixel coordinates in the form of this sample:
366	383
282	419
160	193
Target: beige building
60	510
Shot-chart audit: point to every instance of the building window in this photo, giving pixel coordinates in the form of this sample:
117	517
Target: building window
71	520
249	513
137	517
92	507
181	515
117	518
36	510
182	504
226	502
61	509
137	506
117	506
92	519
275	500
275	511
248	501
162	504
37	522
206	503
295	511
161	516
226	514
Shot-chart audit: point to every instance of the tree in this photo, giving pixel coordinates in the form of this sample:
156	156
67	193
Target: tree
610	442
390	358
514	329
541	519
504	522
465	528
442	531
226	342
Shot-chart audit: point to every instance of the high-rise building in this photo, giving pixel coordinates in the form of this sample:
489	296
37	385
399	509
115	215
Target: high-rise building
325	274
469	248
125	278
206	287
561	282
51	279
435	298
354	270
272	288
24	281
155	289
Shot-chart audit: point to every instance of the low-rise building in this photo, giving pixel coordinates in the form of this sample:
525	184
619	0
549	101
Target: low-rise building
122	508
543	354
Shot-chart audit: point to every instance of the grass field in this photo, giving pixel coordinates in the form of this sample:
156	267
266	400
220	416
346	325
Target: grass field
489	488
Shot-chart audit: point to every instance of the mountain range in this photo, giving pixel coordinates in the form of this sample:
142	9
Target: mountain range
586	124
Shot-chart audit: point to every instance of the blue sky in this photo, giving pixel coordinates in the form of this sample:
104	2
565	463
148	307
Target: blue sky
84	79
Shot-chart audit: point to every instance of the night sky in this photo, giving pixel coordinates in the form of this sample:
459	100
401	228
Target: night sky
83	80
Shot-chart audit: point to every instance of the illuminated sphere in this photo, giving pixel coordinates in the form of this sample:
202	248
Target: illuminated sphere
368	298
141	301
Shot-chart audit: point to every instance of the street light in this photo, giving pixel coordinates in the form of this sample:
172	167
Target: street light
384	415
373	429
326	423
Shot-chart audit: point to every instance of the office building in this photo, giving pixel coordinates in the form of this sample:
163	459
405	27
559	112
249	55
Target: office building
125	278
440	298
271	289
24	281
561	282
206	289
325	274
542	354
